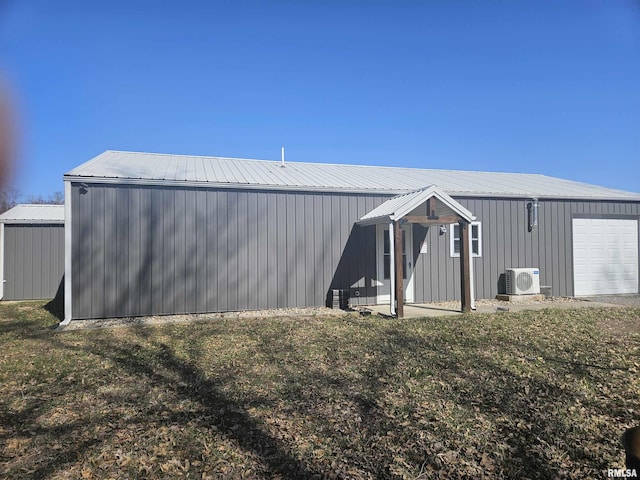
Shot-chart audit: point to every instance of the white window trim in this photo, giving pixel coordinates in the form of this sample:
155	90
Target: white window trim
452	238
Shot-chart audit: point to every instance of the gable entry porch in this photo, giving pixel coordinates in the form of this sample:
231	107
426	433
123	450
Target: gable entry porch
428	206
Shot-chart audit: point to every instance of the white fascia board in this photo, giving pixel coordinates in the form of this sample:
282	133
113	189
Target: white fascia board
32	222
437	193
383	220
328	189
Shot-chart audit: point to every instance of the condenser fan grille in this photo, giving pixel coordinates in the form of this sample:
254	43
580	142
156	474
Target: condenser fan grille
524	281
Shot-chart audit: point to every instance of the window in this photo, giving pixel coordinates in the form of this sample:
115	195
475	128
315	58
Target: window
476	239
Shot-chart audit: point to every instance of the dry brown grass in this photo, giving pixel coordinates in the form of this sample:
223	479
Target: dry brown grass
542	394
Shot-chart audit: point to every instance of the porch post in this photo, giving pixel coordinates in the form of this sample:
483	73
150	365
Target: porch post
465	266
392	270
399	272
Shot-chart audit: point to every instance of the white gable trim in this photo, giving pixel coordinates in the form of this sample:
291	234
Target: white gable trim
397	207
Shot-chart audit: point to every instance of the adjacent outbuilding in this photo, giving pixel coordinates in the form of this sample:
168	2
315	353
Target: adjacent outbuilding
152	234
31	252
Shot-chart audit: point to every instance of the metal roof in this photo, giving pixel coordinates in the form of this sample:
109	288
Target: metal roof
28	213
397	207
152	168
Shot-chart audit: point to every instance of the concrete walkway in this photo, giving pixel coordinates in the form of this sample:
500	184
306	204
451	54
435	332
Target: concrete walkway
416	310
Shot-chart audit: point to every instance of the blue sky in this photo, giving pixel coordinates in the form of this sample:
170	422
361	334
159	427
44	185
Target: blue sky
548	87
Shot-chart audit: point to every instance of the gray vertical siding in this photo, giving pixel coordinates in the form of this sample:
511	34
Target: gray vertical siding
506	243
33	261
146	250
140	250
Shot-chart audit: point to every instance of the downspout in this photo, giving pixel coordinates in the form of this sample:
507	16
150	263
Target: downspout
67	254
1	260
392	270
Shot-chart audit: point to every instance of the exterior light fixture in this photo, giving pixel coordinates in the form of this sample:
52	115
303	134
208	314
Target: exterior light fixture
532	208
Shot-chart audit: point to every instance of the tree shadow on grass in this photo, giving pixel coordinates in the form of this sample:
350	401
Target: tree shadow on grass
355	395
526	414
161	367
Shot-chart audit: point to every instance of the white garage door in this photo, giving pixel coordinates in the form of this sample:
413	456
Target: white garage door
605	256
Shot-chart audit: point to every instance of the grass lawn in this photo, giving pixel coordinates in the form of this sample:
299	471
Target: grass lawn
540	394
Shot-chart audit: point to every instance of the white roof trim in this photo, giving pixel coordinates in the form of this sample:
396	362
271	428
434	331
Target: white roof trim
34	213
397	207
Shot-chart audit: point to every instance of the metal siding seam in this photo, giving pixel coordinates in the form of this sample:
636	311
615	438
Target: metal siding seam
144	249
156	234
565	248
45	252
548	245
487	253
52	253
557	245
213	263
124	290
85	243
272	248
83	255
139	280
182	238
170	248
312	243
290	247
225	242
300	249
104	244
252	280
191	249
243	291
280	254
519	209
201	253
500	215
14	285
165	264
18	267
331	229
232	250
262	292
35	282
566	272
109	248
27	261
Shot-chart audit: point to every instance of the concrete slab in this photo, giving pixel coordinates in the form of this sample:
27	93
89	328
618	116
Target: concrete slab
417	310
519	298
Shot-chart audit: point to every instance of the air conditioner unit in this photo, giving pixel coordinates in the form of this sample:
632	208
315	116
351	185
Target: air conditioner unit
523	281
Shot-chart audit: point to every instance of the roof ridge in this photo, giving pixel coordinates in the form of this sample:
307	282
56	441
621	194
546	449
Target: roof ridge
288	162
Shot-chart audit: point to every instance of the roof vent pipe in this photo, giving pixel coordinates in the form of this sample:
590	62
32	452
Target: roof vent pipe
282	161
